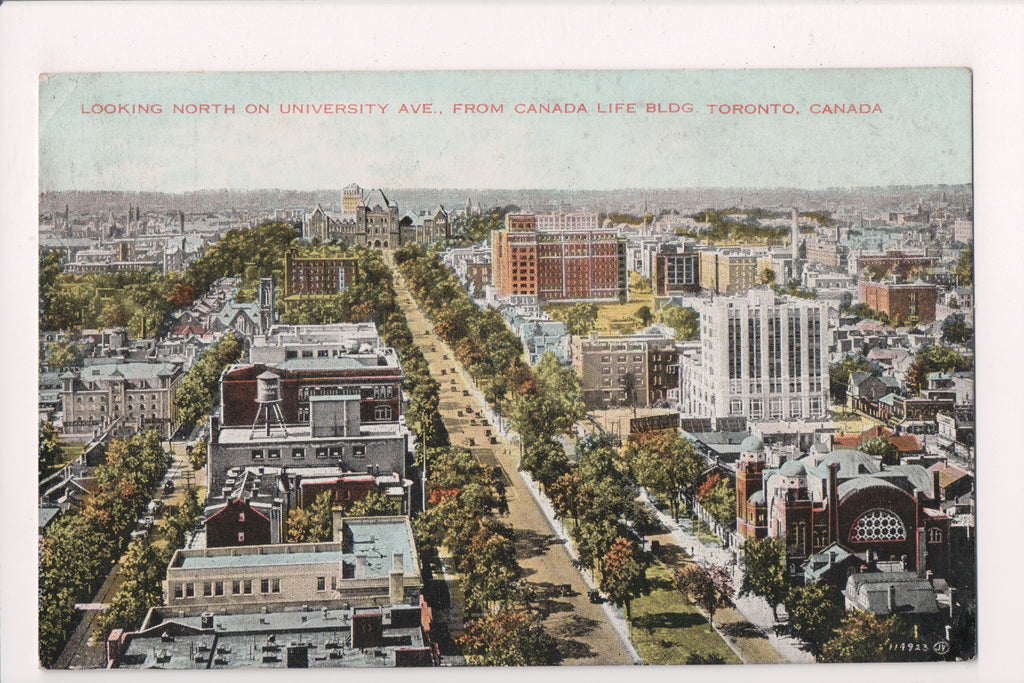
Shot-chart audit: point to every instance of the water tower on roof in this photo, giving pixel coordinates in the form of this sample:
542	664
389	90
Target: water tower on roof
268	398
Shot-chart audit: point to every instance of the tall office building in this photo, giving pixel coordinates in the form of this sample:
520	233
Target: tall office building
558	263
762	356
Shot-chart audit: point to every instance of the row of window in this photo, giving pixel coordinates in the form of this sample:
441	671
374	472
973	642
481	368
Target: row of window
299	452
189	589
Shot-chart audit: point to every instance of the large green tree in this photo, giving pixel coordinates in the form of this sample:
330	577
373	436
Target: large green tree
580	318
666	463
374	504
866	637
965	266
765	575
815	612
935	359
685	321
955	330
720	502
49	448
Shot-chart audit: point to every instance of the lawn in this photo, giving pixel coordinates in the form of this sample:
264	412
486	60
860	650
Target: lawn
667	628
69	450
615	318
849	422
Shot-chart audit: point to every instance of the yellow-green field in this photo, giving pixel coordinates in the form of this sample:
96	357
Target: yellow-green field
667	628
615	318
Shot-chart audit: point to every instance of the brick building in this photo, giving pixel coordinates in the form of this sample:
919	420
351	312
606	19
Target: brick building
371	561
675	269
844	497
558	264
138	396
914	303
311	275
728	271
631	370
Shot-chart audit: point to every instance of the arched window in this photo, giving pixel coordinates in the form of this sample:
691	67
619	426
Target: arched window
878	525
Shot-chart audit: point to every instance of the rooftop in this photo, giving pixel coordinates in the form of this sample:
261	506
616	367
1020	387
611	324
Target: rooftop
250	640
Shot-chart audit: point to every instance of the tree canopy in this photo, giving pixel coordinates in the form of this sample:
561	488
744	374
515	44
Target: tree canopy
765	575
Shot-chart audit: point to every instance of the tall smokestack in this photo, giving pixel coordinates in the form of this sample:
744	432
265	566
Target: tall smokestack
794	237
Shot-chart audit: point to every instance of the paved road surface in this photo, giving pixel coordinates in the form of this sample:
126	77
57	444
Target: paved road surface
582	629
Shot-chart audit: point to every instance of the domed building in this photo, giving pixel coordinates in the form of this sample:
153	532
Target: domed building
844	497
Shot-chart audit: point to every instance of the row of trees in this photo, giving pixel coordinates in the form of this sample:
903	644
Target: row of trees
480	339
194	398
143	567
543	405
464	496
80	546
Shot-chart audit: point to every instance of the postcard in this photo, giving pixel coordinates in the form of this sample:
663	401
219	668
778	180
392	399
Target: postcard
506	368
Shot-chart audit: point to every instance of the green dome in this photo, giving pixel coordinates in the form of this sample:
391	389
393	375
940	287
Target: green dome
752	443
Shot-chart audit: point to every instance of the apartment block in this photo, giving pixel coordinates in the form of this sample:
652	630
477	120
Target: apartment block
558	264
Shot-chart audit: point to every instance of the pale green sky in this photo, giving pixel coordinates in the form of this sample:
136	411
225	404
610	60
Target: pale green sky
921	136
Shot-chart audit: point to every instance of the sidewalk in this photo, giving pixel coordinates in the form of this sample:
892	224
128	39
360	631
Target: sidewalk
753	608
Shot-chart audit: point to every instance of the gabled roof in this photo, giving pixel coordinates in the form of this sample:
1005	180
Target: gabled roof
376	198
912	594
949	474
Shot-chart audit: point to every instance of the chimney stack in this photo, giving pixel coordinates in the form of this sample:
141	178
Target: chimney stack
360	567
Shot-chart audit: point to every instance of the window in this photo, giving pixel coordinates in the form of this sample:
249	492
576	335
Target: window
241	517
257	454
190	590
298	453
321	583
207	589
275	585
935	535
241	537
264	585
321	452
878	525
382	413
359	450
236	587
178	590
307	354
274	453
336	451
218	588
247	587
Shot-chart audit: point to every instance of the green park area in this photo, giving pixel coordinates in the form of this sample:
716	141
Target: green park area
669	629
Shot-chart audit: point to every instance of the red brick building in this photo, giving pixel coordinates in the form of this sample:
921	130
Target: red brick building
557	265
914	303
310	275
379	386
844	497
